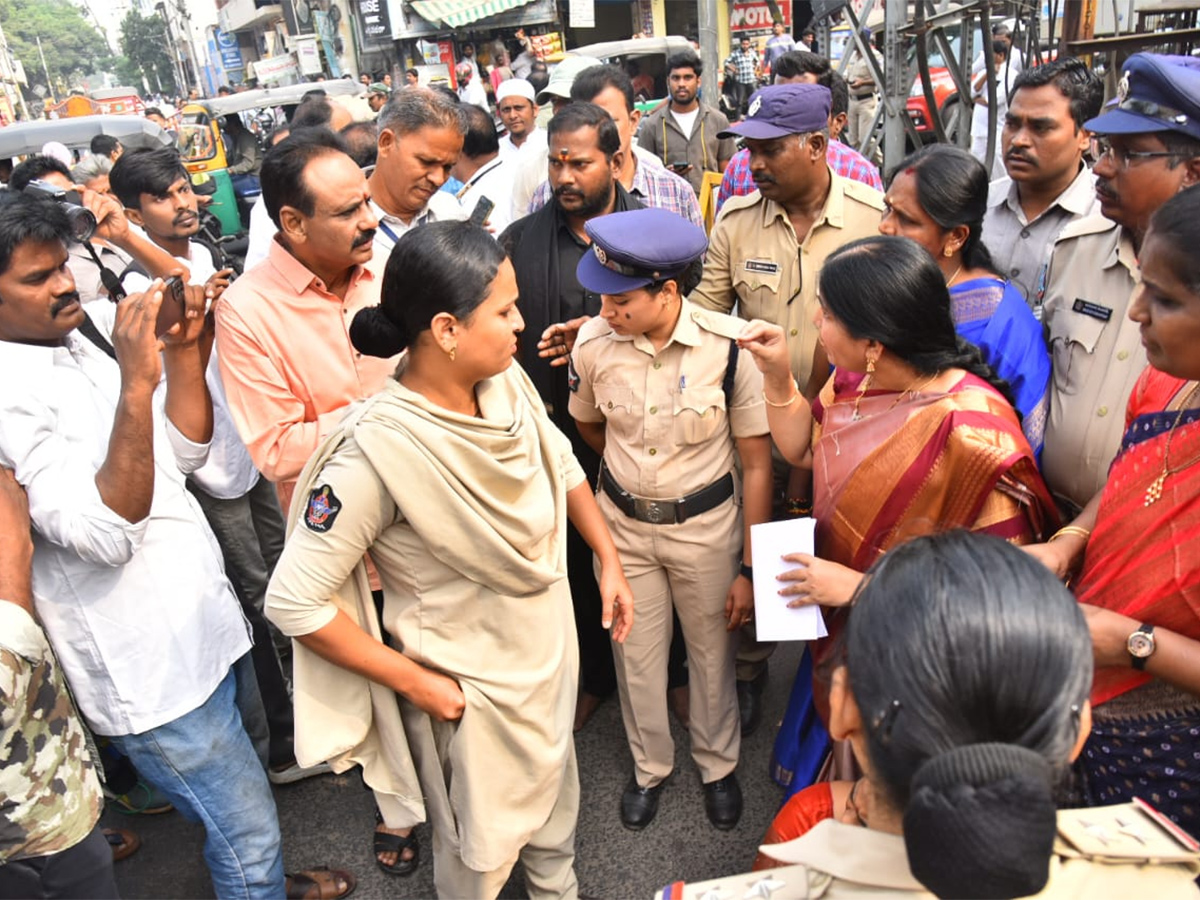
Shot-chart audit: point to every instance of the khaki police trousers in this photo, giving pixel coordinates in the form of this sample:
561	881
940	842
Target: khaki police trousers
689	567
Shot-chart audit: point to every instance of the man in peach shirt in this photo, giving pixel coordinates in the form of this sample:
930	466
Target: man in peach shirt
286	360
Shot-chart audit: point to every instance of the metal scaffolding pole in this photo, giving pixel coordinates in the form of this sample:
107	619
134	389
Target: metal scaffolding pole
896	83
710	54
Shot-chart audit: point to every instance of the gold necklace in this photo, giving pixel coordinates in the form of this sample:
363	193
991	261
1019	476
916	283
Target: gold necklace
957	272
1154	492
913	388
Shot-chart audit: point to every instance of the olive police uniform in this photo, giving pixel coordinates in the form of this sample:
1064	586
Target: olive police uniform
1092	276
1096	352
671	418
1110	851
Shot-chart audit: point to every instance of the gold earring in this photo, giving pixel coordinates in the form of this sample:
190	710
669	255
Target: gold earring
862	388
947	252
452	351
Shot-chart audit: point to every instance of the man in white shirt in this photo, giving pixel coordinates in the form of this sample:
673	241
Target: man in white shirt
240	505
127	577
470	87
485	173
517	109
420	138
1048	183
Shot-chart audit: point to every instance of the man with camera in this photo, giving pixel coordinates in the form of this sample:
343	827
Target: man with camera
127	578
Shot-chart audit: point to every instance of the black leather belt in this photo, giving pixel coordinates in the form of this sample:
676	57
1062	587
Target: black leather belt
667	512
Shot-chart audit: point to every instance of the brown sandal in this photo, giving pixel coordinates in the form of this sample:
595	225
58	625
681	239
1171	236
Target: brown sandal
320	883
124	843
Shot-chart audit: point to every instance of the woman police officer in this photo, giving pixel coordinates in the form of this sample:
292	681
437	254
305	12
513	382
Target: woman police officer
661	390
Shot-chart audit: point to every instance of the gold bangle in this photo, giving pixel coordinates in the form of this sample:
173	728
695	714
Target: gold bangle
790	401
1070	529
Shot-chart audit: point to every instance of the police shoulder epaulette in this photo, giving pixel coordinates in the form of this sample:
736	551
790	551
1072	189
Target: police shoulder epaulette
591	329
718	323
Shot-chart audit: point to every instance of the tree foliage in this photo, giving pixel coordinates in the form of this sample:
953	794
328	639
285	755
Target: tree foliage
71	44
144	43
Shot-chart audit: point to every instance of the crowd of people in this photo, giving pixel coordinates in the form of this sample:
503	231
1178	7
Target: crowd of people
478	438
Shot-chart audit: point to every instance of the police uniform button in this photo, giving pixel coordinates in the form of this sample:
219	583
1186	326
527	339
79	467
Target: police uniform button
1024	232
1123	355
794	332
653	410
756	284
657	364
1014	272
610	404
1102	411
653	452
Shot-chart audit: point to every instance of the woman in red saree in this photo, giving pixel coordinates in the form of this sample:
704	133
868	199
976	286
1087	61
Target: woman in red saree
1137	548
912	435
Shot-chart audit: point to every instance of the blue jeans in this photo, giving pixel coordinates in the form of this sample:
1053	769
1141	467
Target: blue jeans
207	766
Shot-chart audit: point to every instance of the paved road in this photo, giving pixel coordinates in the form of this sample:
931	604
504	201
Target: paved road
328	821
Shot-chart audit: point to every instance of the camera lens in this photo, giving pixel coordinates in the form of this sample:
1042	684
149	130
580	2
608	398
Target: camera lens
83	223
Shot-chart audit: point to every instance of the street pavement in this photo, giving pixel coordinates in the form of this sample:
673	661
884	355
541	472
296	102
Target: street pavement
328	821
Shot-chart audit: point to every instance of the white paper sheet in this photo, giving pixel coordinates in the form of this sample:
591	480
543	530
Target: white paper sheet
772	618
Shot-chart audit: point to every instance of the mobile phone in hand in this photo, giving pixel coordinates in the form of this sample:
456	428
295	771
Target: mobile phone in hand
679	165
171	312
483	209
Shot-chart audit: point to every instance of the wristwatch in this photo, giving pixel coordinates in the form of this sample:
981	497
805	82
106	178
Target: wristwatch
1141	646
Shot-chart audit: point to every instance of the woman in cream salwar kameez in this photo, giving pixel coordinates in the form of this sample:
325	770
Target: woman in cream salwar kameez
459	486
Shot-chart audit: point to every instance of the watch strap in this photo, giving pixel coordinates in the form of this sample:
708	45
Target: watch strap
1139	662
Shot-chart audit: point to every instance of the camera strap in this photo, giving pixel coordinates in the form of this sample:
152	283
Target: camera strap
108	277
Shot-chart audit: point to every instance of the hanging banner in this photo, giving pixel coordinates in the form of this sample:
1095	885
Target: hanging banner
276	68
376	26
325	30
309	55
582	13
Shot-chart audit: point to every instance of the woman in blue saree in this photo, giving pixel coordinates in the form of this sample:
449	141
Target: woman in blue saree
938	197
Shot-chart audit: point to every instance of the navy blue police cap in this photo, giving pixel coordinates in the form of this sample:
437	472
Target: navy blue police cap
1156	93
633	249
778	110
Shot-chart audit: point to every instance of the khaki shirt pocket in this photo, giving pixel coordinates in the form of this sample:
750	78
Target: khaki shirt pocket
699	414
757	288
1073	340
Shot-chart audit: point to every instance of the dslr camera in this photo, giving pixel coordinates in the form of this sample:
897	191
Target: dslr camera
83	223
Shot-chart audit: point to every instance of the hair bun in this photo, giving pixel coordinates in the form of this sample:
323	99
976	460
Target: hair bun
981	821
373	333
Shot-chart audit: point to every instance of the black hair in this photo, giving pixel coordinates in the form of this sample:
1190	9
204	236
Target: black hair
685	59
282	174
410	110
970	664
795	63
481	138
575	116
362	142
591	82
952	188
686	281
313	112
145	172
412	72
1182	146
1074	79
153	111
890	290
1177	223
1000	48
233	122
29	218
443	267
34	168
104	145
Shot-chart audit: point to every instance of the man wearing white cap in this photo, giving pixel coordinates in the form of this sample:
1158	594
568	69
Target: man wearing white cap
518	111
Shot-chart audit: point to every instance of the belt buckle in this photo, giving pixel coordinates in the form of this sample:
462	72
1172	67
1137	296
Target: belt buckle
653	511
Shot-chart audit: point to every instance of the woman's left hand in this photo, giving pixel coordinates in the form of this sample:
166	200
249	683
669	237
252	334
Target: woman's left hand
1110	634
616	598
818	582
739	605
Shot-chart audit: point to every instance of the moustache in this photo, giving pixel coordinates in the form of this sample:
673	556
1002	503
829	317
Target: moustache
1102	187
561	192
364	237
764	179
184	217
62	303
1016	154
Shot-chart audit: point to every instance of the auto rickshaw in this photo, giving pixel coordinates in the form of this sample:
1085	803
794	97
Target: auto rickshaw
203	147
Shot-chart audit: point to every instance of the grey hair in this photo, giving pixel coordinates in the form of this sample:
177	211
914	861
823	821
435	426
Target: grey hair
412	109
91	167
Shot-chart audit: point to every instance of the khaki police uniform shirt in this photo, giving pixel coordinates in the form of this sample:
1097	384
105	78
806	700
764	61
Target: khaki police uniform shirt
1111	851
668	431
1096	351
755	261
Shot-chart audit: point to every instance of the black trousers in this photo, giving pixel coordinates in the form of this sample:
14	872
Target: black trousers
84	871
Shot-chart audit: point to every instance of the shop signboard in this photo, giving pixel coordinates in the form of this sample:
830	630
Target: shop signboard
275	68
376	26
582	13
754	18
308	55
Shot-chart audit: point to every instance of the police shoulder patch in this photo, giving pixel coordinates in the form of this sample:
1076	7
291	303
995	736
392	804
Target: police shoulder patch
572	376
322	510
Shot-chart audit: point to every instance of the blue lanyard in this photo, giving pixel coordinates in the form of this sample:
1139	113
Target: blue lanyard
391	234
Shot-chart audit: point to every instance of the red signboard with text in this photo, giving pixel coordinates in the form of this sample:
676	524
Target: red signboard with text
755	18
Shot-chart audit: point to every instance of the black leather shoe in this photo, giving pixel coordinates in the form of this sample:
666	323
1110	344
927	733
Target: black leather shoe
639	805
723	802
749	695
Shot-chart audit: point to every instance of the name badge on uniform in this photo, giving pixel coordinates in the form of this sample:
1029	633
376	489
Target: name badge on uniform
764	266
1095	310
